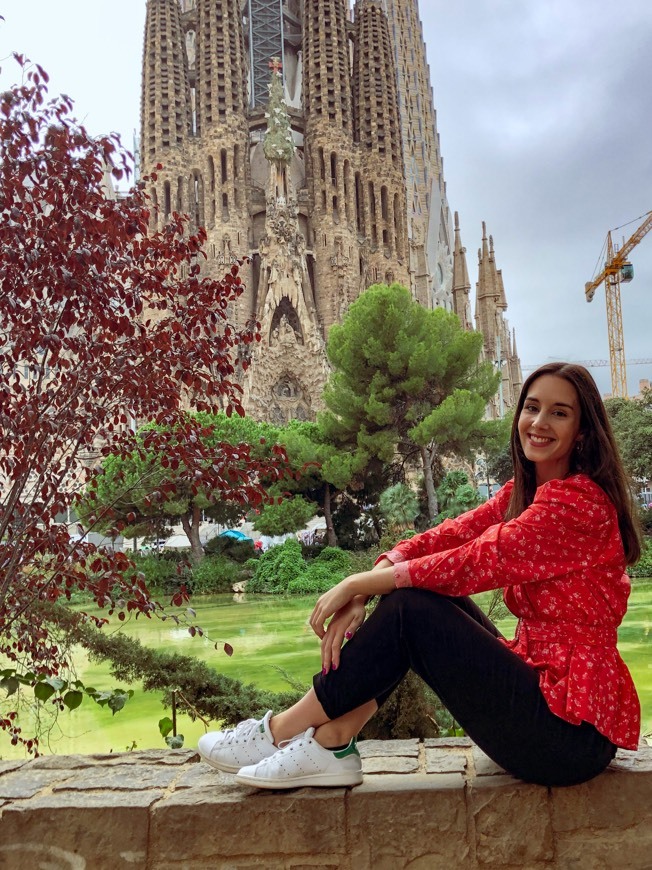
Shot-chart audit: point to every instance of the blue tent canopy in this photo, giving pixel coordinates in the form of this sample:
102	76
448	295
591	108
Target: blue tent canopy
235	534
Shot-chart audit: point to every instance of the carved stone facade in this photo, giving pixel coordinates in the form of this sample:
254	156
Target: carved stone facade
340	220
354	193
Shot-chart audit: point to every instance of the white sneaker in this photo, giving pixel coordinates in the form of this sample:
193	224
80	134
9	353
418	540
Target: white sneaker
249	742
303	761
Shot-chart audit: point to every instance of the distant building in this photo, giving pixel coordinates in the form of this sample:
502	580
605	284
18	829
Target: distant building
302	135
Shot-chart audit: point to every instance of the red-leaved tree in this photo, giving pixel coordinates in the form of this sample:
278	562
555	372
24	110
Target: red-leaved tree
103	324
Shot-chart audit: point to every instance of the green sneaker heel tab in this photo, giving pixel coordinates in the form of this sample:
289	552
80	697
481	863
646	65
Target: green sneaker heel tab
351	749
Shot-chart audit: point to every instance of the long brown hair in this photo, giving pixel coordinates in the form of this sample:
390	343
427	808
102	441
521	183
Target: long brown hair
599	457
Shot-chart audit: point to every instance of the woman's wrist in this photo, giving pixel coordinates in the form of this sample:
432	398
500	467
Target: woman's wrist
370	583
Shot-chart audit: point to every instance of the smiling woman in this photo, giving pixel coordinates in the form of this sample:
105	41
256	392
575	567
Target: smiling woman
549	427
550	706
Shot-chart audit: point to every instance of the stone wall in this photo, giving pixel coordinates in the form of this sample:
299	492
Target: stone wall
423	806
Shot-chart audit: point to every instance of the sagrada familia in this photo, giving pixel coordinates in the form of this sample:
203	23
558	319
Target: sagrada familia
302	135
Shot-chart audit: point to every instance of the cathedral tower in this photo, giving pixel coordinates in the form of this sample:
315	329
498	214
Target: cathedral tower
380	205
429	218
461	283
302	135
499	343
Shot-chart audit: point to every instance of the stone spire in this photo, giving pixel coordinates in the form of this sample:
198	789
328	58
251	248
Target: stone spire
165	97
430	228
278	145
381	191
375	98
221	65
327	72
331	159
486	293
515	372
499	344
286	310
461	282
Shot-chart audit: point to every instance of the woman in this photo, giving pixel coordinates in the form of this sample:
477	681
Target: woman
549	706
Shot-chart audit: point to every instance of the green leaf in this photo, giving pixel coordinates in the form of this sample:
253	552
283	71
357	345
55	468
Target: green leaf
55	682
73	699
117	701
44	691
165	726
175	742
11	684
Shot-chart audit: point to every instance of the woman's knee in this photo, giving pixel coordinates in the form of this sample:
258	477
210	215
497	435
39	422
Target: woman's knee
409	605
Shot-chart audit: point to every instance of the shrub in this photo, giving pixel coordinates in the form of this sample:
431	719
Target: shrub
239	551
277	568
320	575
399	506
315	580
160	573
336	559
214	574
283	569
643	567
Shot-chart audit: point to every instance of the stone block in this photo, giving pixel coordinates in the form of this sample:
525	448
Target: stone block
612	800
62	762
201	776
75	831
375	748
440	760
238	821
126	778
9	766
484	766
616	848
443	742
569	808
27	782
400	764
639	761
511	820
394	821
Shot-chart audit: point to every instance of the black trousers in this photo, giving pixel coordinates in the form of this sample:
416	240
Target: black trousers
490	691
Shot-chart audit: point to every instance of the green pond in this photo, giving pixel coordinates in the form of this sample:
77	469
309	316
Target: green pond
270	637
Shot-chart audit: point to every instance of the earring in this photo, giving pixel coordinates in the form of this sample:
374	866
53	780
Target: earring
579	447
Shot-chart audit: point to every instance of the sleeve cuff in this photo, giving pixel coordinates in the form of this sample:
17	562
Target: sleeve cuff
394	556
402	575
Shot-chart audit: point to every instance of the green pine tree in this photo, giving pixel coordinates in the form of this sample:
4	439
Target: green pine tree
405	379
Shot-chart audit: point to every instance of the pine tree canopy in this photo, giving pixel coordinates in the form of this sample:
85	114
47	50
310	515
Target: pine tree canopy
403	373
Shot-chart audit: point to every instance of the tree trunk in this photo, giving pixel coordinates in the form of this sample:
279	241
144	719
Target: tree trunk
331	537
191	523
426	459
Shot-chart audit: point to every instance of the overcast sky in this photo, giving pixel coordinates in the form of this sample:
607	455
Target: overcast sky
545	117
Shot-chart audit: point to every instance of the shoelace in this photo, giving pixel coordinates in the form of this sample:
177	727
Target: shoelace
294	742
242	729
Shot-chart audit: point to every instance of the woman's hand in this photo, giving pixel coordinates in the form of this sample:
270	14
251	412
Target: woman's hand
345	603
329	603
343	625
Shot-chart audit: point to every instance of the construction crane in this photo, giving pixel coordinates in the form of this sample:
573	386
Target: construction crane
617	269
594	363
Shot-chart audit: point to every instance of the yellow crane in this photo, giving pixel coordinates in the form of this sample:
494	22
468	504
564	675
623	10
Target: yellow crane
617	269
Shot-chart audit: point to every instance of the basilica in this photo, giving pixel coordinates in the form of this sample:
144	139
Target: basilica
302	135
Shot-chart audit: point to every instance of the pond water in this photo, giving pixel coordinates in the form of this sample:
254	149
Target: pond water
270	637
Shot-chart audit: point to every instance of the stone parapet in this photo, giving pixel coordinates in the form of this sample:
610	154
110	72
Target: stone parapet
422	805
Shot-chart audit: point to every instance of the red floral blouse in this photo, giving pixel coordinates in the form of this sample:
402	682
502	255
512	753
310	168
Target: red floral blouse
561	563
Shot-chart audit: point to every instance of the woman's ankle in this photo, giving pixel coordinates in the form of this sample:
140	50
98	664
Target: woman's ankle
332	735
